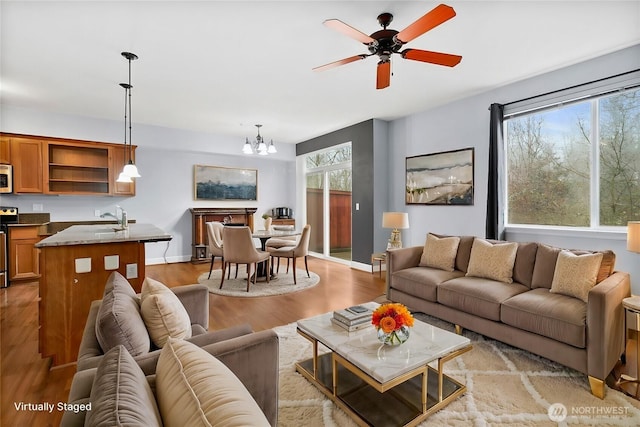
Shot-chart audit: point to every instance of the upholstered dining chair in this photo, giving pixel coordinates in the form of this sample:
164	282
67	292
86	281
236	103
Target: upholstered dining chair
239	248
301	249
214	234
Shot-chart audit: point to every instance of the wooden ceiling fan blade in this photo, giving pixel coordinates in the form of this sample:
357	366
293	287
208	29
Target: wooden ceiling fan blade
340	62
348	30
430	20
383	78
438	58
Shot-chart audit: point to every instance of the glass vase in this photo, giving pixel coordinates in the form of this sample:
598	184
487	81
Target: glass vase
396	337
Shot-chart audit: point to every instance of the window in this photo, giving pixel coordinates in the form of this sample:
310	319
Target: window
577	164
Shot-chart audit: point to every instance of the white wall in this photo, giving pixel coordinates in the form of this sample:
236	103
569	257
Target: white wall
465	123
165	158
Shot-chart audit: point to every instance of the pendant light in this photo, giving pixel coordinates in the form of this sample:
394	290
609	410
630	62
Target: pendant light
130	168
258	146
123	177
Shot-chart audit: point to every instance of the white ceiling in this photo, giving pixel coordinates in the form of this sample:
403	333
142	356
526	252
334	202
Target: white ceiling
223	66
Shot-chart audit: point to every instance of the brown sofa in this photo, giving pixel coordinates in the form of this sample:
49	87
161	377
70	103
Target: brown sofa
586	335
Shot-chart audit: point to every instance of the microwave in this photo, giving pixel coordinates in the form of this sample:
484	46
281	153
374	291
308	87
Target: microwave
6	179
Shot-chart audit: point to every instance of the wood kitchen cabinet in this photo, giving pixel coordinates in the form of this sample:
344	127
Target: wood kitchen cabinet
65	166
23	255
26	158
5	150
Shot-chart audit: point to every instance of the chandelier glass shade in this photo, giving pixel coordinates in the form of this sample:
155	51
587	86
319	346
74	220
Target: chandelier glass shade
130	170
259	146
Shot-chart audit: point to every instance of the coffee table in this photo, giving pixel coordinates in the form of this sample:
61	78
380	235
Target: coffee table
377	384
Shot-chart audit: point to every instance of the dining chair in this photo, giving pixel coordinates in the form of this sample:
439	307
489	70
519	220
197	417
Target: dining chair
239	248
214	234
299	249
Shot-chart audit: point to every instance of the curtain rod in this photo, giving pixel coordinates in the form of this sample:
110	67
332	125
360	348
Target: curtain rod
571	87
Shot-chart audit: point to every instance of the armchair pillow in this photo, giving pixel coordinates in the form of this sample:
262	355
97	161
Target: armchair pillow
575	275
163	313
195	388
440	252
118	321
492	261
120	394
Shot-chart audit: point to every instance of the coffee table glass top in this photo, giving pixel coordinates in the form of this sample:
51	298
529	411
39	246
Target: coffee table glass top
381	362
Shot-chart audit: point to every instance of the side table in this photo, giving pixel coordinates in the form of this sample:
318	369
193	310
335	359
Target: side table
380	258
632	322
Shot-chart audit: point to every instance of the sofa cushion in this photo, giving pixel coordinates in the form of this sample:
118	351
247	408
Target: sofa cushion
163	313
555	316
545	265
422	282
478	296
120	394
492	261
195	388
524	263
118	321
575	275
440	252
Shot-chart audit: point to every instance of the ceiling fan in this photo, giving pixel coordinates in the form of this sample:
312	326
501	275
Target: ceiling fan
386	42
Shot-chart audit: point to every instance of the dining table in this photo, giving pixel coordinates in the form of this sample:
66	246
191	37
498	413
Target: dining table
264	236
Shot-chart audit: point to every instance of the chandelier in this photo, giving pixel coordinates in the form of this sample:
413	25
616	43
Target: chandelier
130	170
259	146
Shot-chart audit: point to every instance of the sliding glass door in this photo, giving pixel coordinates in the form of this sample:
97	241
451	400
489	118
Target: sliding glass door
328	201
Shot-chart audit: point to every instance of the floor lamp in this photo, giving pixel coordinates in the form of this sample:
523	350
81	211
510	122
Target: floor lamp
632	306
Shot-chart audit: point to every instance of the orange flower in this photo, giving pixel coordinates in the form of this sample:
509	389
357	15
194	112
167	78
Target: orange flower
387	324
397	314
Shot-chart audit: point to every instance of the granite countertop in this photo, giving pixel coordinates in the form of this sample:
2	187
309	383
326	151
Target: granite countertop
104	233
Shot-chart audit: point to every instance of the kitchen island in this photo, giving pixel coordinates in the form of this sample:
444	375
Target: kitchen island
74	266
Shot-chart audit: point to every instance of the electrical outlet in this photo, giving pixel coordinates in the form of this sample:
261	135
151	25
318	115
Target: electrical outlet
132	271
96	213
37	207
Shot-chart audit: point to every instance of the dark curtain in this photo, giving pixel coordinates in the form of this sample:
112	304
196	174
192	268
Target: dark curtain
495	221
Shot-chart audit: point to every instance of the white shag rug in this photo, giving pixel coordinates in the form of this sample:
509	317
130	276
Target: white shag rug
505	387
238	287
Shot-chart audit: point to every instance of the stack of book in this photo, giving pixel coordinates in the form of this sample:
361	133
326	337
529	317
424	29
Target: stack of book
352	318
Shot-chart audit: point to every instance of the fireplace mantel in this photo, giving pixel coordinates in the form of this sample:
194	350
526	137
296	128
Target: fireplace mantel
200	216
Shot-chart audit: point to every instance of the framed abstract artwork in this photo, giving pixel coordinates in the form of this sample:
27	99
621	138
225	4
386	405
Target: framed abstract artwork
444	178
221	183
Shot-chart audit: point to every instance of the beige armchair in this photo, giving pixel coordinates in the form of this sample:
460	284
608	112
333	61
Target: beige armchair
239	248
301	249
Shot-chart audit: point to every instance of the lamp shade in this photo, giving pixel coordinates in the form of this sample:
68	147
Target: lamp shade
395	220
633	236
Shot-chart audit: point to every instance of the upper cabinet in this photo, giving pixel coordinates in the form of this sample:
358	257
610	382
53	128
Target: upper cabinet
5	150
65	166
26	158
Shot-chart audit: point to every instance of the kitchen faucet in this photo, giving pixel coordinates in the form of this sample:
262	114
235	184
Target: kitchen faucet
122	221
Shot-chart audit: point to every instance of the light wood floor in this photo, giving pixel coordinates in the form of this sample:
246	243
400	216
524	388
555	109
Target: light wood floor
25	377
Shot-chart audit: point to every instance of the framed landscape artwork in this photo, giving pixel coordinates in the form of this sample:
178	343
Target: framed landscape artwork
444	178
220	183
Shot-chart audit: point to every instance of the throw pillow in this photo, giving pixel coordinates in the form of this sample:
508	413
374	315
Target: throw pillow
195	388
440	252
118	321
163	313
493	262
575	275
120	394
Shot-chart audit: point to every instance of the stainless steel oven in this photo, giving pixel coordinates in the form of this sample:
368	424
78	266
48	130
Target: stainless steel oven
6	179
8	215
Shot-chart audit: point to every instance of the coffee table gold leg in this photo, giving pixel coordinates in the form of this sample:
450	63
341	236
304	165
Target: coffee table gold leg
315	359
334	374
440	379
424	390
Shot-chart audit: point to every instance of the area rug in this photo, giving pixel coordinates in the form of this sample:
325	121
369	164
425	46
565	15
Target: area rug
505	387
238	287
